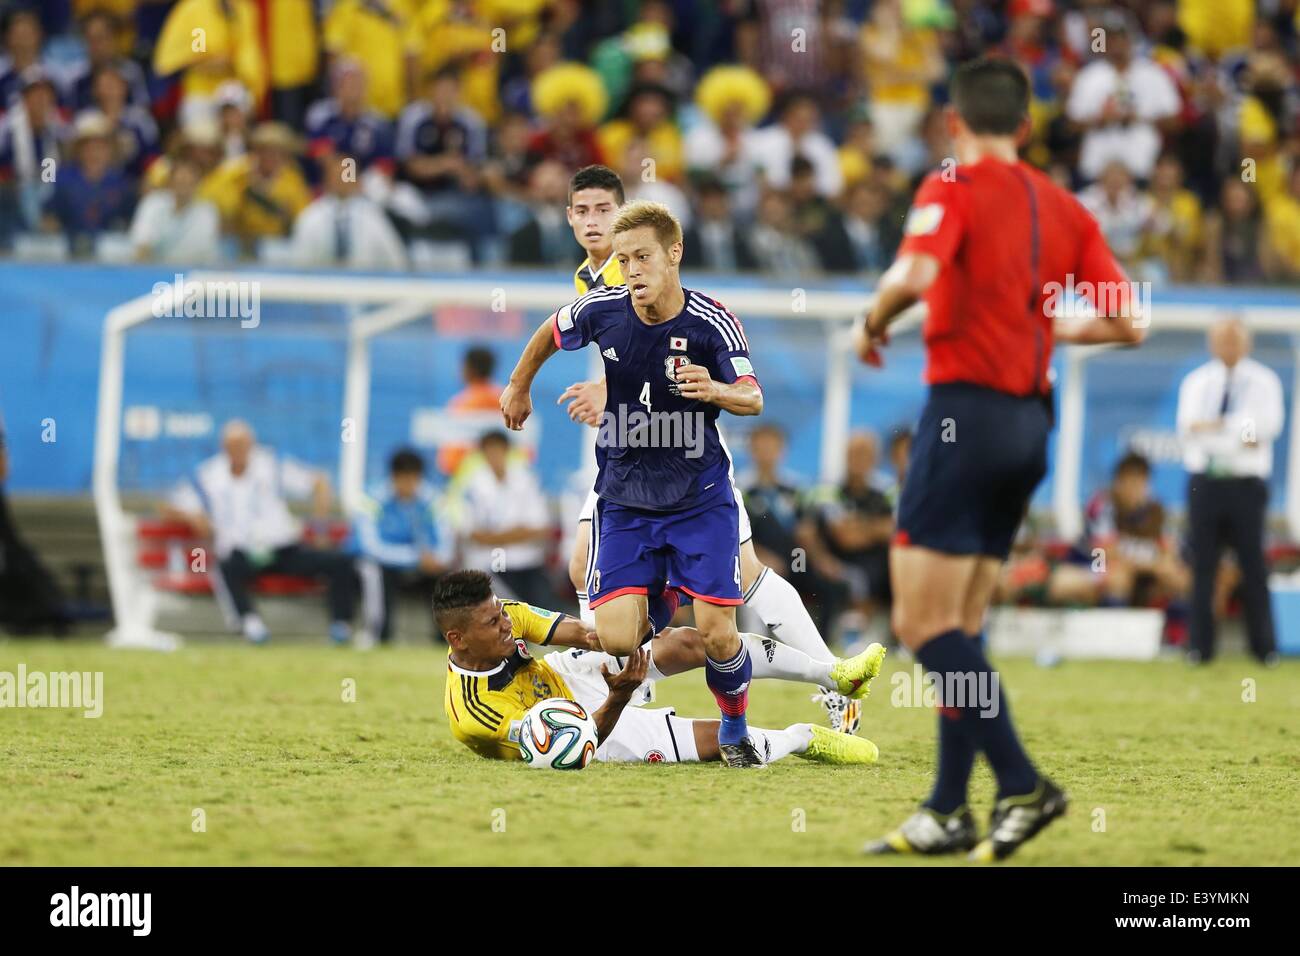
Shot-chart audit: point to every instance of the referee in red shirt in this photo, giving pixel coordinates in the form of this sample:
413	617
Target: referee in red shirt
987	242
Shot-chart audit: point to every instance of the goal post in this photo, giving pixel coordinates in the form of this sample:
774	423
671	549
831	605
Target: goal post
371	307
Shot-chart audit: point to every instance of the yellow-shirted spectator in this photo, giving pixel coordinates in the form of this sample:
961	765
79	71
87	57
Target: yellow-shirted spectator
293	47
123	13
1216	26
462	31
384	36
261	193
857	155
1175	232
901	62
212	41
650	120
199	141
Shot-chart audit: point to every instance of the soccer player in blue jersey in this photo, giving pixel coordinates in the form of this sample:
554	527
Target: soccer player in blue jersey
674	360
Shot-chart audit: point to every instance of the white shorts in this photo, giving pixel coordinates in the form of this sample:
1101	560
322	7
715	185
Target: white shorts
642	734
589	511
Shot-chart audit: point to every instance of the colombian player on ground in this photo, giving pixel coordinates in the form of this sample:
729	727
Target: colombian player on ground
595	195
985	244
492	681
667	514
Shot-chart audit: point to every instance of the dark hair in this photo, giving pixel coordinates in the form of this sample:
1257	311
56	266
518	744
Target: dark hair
769	428
112	20
596	177
457	592
481	361
899	435
1133	461
406	461
991	95
801	165
496	435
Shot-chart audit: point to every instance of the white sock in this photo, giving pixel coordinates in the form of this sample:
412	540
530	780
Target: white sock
771	659
776	601
254	628
585	613
772	745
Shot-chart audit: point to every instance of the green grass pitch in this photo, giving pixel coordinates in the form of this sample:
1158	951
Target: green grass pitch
1165	765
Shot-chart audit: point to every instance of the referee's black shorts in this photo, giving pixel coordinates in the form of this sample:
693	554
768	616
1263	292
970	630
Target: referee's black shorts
977	457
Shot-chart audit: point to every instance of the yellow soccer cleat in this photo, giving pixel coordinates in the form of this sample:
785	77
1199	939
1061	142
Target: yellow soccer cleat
853	675
827	746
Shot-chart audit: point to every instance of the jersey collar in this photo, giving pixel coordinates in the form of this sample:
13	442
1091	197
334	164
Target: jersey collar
592	271
462	671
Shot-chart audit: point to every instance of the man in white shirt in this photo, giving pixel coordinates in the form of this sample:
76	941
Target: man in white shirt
237	498
344	227
174	225
1229	414
505	524
1123	103
798	133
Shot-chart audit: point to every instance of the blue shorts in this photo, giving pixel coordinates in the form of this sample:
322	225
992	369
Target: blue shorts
638	552
977	456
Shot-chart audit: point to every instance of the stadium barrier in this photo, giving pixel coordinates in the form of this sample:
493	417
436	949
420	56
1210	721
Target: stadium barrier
383	353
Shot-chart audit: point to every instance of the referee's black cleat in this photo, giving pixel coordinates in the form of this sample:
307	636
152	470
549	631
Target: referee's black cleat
1017	819
929	833
743	755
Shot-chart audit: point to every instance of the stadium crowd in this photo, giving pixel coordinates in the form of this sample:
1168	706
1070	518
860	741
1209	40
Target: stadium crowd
786	134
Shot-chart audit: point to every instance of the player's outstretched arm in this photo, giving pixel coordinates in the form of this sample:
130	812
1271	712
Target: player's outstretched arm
621	686
902	286
516	400
1121	328
741	397
571	632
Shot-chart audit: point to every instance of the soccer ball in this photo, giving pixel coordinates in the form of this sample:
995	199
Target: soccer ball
557	733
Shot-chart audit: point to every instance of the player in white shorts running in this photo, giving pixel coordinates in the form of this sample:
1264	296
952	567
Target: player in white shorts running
595	194
492	681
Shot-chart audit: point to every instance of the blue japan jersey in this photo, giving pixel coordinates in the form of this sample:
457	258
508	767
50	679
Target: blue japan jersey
656	450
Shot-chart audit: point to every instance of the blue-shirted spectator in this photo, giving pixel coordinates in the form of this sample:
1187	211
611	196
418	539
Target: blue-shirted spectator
135	134
33	141
100	30
344	124
91	195
24	43
441	148
398	544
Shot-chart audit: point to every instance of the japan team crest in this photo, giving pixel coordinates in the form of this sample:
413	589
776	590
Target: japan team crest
672	363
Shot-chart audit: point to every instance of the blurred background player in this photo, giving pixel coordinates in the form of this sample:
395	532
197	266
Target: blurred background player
237	499
982	245
492	681
595	195
504	522
399	546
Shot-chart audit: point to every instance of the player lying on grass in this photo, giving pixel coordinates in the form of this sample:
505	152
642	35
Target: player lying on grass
492	681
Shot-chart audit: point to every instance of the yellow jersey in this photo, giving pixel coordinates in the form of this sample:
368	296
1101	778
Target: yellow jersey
588	277
484	708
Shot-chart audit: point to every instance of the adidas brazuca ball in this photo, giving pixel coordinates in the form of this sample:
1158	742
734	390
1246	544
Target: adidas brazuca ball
559	734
